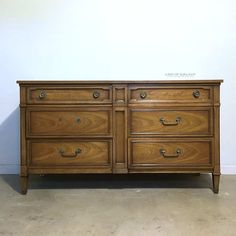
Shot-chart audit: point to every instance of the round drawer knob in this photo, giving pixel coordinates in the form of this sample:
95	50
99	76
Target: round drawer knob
96	94
42	94
196	93
143	95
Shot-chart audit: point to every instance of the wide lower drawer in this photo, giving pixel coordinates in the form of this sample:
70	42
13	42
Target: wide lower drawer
62	95
70	153
168	94
179	121
153	152
69	122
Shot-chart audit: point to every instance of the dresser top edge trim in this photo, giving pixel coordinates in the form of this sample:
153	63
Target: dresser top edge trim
76	82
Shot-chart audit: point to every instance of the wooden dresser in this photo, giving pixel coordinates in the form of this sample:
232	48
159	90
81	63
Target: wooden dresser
120	127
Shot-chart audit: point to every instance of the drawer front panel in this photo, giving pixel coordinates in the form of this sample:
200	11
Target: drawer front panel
167	94
170	152
62	95
72	153
171	122
66	122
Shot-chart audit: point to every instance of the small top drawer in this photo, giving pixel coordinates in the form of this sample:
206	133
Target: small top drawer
62	95
170	94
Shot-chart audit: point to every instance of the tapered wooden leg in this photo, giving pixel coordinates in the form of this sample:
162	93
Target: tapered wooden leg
24	184
216	182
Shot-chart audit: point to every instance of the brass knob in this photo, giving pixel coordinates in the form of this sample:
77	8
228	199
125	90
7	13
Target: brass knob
143	95
42	94
96	94
196	94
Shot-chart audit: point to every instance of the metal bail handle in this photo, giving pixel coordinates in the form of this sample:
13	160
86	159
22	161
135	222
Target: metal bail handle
177	121
77	152
178	153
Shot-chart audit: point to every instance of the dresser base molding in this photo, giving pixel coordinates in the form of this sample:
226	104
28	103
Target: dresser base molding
120	127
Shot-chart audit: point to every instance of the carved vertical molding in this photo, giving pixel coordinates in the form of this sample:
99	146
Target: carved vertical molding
120	129
216	170
23	148
23	144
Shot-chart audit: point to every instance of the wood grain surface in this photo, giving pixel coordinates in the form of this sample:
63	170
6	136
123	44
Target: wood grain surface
167	94
77	122
68	94
148	152
175	122
47	153
151	126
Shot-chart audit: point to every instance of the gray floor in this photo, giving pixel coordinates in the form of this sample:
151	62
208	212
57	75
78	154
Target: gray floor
118	205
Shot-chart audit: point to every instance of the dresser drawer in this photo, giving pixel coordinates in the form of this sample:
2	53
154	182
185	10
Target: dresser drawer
70	153
149	152
69	122
176	94
63	95
180	121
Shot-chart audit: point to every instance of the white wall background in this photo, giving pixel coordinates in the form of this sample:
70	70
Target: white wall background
115	39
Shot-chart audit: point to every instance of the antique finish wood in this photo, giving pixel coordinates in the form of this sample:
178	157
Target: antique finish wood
69	153
163	126
120	140
64	122
167	94
61	95
184	121
184	152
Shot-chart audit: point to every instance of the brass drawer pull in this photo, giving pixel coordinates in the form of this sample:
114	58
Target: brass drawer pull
177	121
77	152
143	95
96	94
42	94
178	153
196	93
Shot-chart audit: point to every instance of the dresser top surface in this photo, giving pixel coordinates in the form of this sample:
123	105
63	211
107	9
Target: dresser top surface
74	82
